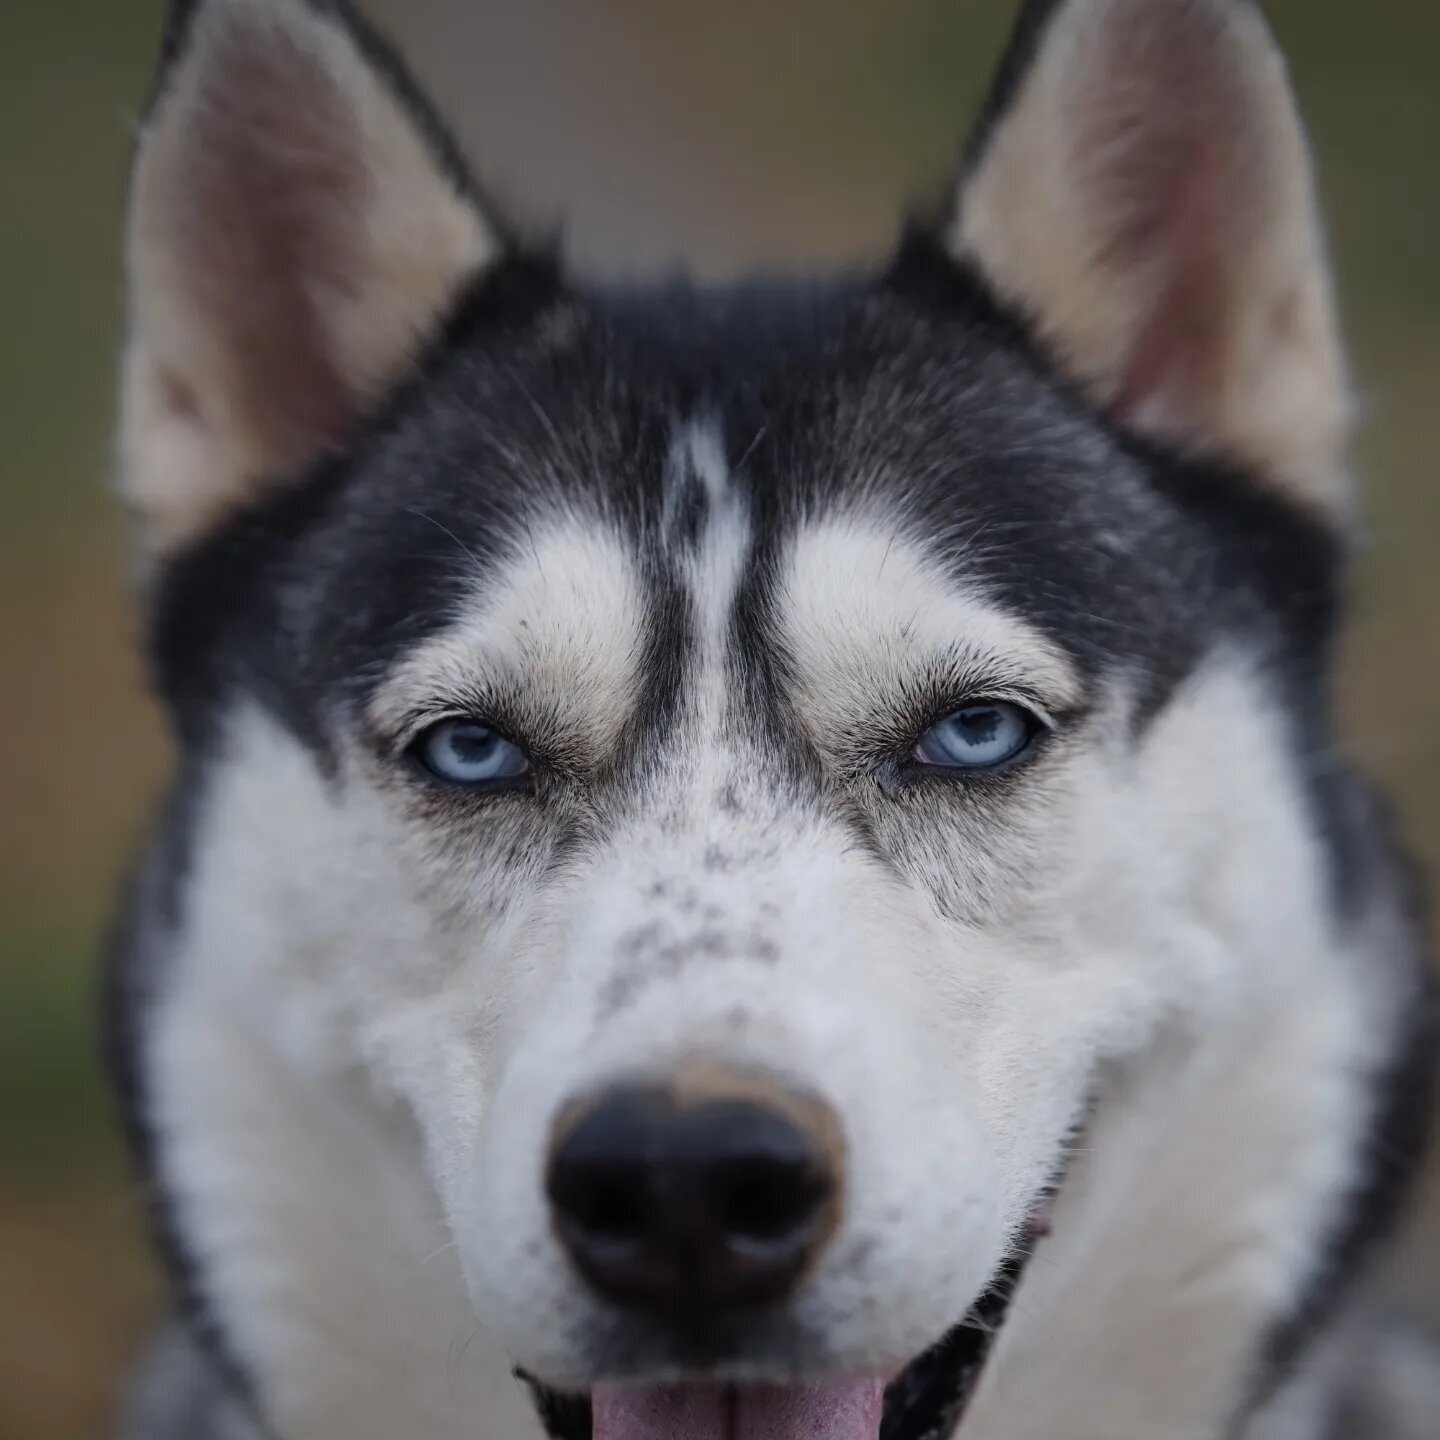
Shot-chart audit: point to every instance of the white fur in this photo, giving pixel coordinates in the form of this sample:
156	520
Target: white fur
561	628
868	608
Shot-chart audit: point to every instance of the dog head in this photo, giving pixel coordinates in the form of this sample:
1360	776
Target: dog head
730	770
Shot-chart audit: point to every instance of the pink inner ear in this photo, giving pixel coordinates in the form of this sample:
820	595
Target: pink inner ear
1169	153
1177	357
269	192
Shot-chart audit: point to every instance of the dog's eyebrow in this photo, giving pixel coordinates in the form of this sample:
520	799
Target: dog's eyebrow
440	680
870	617
550	642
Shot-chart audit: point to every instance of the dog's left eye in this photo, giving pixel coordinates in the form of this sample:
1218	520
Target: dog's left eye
468	753
978	737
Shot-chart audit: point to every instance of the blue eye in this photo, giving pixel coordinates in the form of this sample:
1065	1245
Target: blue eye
468	753
978	737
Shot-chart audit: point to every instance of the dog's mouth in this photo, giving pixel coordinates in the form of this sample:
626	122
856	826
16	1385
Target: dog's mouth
925	1401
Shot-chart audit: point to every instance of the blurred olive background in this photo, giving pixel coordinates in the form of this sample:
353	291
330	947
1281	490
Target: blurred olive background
720	136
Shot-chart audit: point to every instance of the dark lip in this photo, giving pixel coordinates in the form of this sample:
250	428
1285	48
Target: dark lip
925	1401
928	1398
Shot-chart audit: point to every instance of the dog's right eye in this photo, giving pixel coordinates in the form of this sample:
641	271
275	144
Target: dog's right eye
466	752
980	736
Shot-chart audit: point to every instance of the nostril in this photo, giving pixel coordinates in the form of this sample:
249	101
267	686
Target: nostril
764	1202
601	1186
610	1203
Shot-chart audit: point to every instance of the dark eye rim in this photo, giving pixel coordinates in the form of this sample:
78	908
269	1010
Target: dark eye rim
523	783
1039	730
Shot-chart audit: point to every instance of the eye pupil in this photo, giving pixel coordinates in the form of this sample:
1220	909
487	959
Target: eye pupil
977	737
470	744
977	725
466	752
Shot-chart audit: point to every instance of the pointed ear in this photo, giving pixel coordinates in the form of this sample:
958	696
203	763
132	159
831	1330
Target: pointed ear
1141	190
298	225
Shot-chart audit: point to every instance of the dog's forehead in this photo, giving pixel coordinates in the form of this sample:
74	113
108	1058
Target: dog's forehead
841	610
600	466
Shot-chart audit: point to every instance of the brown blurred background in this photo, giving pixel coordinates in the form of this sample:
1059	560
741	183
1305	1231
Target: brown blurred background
720	136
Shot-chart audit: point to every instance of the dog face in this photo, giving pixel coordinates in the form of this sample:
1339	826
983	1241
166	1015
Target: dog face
730	771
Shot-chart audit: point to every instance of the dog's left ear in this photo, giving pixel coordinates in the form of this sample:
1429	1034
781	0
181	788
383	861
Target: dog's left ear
299	225
1141	190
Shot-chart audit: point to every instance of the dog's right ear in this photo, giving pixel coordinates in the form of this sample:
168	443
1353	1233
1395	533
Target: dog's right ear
1141	191
299	224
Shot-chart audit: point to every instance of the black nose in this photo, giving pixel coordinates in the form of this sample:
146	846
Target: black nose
681	1201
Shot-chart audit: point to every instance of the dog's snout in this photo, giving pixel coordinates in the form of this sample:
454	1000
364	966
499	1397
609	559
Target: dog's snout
684	1200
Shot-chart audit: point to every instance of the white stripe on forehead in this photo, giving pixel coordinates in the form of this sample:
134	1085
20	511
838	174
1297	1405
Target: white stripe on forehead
714	572
716	569
865	611
559	629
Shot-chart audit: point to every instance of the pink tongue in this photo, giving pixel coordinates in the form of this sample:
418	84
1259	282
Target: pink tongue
827	1410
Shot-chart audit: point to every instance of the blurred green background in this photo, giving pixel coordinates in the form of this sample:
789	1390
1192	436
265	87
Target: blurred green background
725	136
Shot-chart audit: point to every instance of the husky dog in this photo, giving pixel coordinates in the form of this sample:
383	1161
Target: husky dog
771	862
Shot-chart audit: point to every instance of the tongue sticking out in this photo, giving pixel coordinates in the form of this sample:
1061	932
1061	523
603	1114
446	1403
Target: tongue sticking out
826	1410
